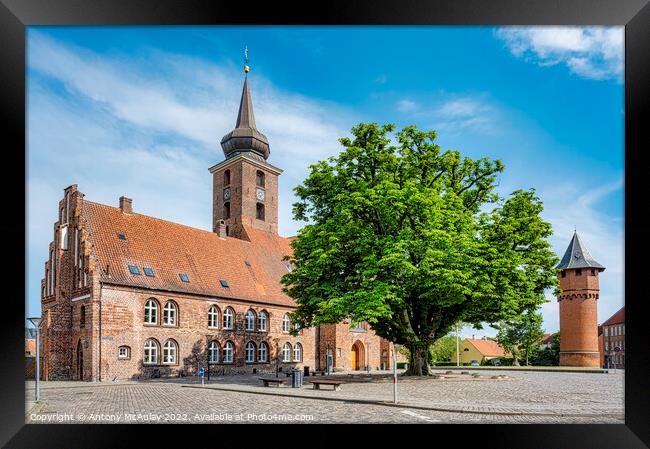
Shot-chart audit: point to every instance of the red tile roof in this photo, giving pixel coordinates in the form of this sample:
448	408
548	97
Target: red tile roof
547	339
171	249
617	318
488	348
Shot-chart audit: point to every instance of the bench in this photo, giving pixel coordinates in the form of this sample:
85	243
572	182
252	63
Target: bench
267	381
335	383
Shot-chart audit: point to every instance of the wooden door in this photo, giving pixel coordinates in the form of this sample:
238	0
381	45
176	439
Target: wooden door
354	357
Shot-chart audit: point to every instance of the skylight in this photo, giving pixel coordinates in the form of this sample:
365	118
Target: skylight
224	283
248	264
184	277
134	270
121	236
148	271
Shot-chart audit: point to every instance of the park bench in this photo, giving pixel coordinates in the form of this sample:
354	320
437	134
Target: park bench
335	383
268	381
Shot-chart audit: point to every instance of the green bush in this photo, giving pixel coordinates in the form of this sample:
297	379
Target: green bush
450	364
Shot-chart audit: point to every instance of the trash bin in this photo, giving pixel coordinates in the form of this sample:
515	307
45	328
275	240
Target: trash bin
305	372
296	378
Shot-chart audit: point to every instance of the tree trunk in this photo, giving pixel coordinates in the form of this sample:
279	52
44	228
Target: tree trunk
515	358
418	360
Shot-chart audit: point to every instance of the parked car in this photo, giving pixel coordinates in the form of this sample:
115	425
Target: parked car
474	363
496	362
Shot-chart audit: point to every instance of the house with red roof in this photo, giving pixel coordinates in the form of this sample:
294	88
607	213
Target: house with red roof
472	349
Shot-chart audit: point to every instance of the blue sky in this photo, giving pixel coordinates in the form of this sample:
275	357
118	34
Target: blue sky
140	111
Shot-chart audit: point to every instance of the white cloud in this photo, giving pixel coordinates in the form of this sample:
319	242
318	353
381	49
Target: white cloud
406	105
452	114
589	52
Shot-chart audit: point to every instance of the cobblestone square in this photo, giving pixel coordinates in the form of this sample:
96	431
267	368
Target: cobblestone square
521	397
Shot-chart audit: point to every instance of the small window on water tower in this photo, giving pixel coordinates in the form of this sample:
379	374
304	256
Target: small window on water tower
259	211
260	179
564	274
226	178
578	272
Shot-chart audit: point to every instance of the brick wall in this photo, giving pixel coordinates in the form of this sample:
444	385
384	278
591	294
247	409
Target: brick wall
579	318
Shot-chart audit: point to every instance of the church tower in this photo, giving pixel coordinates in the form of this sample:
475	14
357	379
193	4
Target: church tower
578	307
245	186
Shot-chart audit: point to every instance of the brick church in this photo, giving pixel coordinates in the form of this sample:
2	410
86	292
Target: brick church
128	296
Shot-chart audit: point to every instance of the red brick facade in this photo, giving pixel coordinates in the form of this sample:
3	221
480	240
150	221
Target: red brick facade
578	317
111	271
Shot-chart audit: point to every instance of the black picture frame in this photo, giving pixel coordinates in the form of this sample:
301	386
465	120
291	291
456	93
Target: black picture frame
15	15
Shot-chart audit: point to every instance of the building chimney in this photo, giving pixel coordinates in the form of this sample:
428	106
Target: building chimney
221	229
126	205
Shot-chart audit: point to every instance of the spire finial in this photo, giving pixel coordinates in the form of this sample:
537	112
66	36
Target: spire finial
246	68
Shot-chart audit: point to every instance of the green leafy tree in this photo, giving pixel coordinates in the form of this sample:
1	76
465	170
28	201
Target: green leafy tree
521	336
399	236
442	349
549	356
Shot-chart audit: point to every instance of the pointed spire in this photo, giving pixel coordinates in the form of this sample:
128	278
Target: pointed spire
578	256
246	117
245	138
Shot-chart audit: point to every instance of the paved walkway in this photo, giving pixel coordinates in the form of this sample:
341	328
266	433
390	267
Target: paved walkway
526	397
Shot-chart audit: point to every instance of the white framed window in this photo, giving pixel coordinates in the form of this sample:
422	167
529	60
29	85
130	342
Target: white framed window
150	352
151	312
123	352
623	329
286	352
606	331
263	352
213	352
297	352
63	237
250	352
286	323
250	320
169	352
169	314
213	317
607	346
229	318
228	350
263	318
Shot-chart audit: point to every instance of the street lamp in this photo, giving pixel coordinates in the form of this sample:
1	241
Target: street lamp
35	322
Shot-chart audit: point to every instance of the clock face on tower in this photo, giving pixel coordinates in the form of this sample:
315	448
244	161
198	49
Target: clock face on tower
260	194
226	193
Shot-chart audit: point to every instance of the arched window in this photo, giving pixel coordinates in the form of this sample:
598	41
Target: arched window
229	318
82	317
286	322
259	211
226	210
213	352
286	352
169	314
297	352
263	352
250	320
213	317
150	352
226	178
260	178
228	350
250	352
263	318
151	312
169	352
